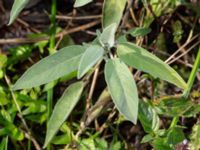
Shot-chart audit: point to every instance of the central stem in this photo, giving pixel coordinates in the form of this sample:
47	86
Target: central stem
51	51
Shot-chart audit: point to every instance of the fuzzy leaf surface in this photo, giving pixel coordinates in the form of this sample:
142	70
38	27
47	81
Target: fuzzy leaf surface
79	3
62	110
143	60
113	11
122	88
90	57
16	9
61	63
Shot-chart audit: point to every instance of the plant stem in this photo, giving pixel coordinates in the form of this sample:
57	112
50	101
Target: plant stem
174	122
49	108
51	51
49	102
53	27
29	145
6	145
189	84
88	100
192	75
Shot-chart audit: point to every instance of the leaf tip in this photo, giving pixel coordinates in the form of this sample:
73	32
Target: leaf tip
79	74
45	144
15	87
75	5
182	84
135	120
10	22
80	4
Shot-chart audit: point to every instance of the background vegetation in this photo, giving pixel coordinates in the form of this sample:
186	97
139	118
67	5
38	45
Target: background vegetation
168	112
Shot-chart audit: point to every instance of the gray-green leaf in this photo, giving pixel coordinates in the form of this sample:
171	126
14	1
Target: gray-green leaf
62	110
63	62
113	11
108	35
122	88
79	3
16	9
141	59
91	56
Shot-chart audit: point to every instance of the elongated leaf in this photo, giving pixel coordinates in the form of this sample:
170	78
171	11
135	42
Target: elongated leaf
148	117
113	11
16	9
62	109
79	3
92	54
108	35
51	68
122	88
141	59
